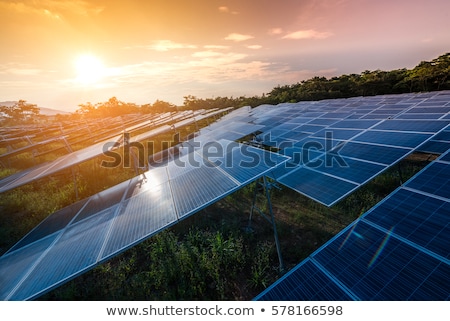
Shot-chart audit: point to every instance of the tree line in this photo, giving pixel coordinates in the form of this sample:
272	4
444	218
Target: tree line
426	76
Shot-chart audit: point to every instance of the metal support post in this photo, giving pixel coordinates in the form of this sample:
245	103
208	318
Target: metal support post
263	187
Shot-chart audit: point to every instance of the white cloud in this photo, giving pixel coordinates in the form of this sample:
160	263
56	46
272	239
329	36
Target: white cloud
216	47
205	54
18	69
275	31
254	47
307	34
238	37
54	9
225	9
166	45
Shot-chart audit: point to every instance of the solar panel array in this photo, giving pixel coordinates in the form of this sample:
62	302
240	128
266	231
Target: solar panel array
77	238
399	250
338	145
95	150
335	146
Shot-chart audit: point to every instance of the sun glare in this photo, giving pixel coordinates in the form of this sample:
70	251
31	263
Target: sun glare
89	69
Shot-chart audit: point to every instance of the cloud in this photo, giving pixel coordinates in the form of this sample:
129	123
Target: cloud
254	47
216	47
275	31
206	54
307	34
18	69
238	37
54	9
166	45
225	9
202	67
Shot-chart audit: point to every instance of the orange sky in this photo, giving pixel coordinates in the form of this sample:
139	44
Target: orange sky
150	50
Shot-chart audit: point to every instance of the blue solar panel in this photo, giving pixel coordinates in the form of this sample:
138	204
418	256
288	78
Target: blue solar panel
320	187
406	139
435	180
300	156
376	266
20	263
307	282
309	128
374	153
419	116
110	222
397	251
355	124
323	121
243	163
52	224
295	135
140	217
429	126
346	168
339	134
446	157
317	144
420	219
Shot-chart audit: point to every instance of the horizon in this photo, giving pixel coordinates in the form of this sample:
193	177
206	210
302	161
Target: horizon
90	51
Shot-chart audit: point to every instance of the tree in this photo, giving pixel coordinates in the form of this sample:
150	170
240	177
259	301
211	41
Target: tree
20	112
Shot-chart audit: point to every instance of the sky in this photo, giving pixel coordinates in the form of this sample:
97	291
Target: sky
60	54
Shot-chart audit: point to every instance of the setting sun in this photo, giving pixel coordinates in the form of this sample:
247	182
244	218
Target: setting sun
89	69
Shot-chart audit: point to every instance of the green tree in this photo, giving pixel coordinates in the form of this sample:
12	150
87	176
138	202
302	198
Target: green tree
20	112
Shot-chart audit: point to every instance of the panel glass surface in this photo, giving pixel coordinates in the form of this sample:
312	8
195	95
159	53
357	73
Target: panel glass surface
420	219
51	224
198	187
305	283
401	139
355	124
431	126
83	241
374	153
346	168
244	163
376	266
14	267
435	180
434	147
320	187
339	134
140	217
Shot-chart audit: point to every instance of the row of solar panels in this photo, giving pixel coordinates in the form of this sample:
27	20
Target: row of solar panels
77	238
74	158
399	250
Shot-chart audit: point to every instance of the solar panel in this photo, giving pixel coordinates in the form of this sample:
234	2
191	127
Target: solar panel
397	251
349	169
90	152
430	126
392	138
317	186
418	218
386	155
75	239
433	180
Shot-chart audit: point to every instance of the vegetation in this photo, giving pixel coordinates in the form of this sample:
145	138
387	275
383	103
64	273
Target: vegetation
19	112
